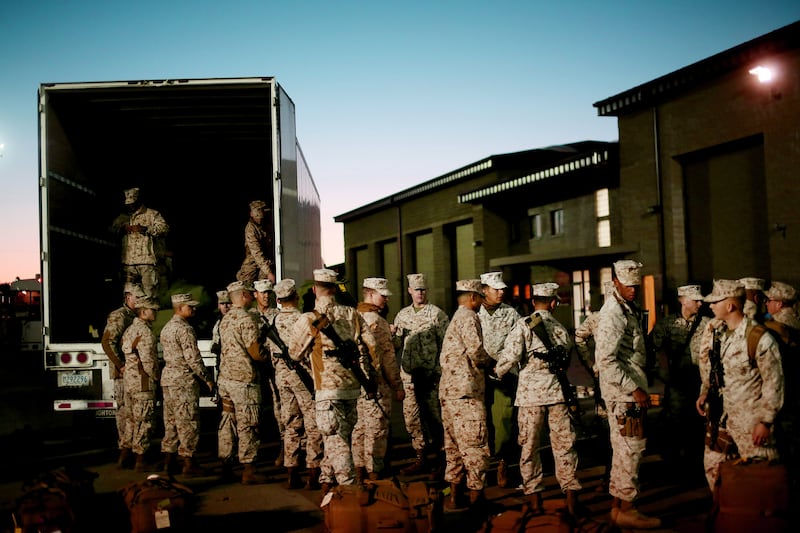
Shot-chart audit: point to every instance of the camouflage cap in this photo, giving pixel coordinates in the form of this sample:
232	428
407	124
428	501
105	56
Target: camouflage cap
725	288
417	281
752	284
147	302
131	195
259	204
493	280
326	275
263	285
690	291
223	297
240	286
379	284
783	292
629	272
183	298
469	285
546	290
285	288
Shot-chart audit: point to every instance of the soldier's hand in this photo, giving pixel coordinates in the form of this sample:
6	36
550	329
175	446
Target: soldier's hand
641	398
400	395
700	405
210	385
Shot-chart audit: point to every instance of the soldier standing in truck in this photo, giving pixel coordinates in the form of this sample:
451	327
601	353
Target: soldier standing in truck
258	256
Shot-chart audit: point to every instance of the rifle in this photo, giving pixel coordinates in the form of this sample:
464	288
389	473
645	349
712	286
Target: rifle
271	333
557	360
716	383
349	355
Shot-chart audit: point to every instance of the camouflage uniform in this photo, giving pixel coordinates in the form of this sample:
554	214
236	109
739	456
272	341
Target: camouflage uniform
140	347
256	265
539	399
496	325
462	394
621	359
267	372
298	416
336	388
371	432
139	250
238	387
179	382
753	393
419	339
117	322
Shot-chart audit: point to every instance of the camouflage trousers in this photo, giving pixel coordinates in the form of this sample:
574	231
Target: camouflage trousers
335	421
145	275
371	432
532	421
238	425
142	406
299	420
250	271
181	419
270	379
122	416
626	457
466	442
422	411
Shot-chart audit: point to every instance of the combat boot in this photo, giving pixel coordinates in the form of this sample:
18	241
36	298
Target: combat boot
169	465
191	468
143	465
477	498
419	466
312	483
374	476
574	507
279	459
125	460
502	474
537	504
361	475
629	517
456	500
324	488
293	478
227	475
249	476
615	503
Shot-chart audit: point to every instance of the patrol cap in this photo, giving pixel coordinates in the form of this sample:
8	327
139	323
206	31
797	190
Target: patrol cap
258	204
417	281
493	280
240	286
725	288
285	288
326	275
263	285
147	302
783	292
223	297
134	289
546	290
690	291
379	284
752	284
469	285
183	298
131	195
629	272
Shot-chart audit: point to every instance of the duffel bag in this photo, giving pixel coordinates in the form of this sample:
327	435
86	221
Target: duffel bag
158	505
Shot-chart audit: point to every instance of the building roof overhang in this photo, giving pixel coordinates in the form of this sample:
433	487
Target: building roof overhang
538	258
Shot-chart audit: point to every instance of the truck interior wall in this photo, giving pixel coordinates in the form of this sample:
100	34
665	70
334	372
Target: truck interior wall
202	185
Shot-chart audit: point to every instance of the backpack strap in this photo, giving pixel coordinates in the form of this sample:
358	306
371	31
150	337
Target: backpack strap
753	336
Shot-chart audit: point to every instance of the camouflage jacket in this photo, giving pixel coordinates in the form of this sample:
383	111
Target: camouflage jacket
141	248
117	322
140	347
495	326
389	368
463	359
181	354
238	330
419	336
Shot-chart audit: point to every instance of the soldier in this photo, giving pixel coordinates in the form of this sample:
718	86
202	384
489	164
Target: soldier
462	394
335	369
371	432
754	292
140	376
265	312
419	331
621	359
180	383
141	228
258	253
117	322
238	385
223	305
497	319
297	398
540	398
672	340
752	392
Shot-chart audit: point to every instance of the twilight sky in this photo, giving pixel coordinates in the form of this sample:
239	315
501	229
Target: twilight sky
388	93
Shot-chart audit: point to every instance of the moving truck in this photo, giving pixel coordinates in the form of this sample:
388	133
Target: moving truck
200	150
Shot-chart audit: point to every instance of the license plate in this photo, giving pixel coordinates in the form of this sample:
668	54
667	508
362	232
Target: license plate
81	378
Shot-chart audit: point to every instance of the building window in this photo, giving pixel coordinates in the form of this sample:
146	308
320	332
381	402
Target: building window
557	222
536	226
603	212
581	296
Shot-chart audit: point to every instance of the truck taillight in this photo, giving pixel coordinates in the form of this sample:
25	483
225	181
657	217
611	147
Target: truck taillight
82	357
74	359
66	358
